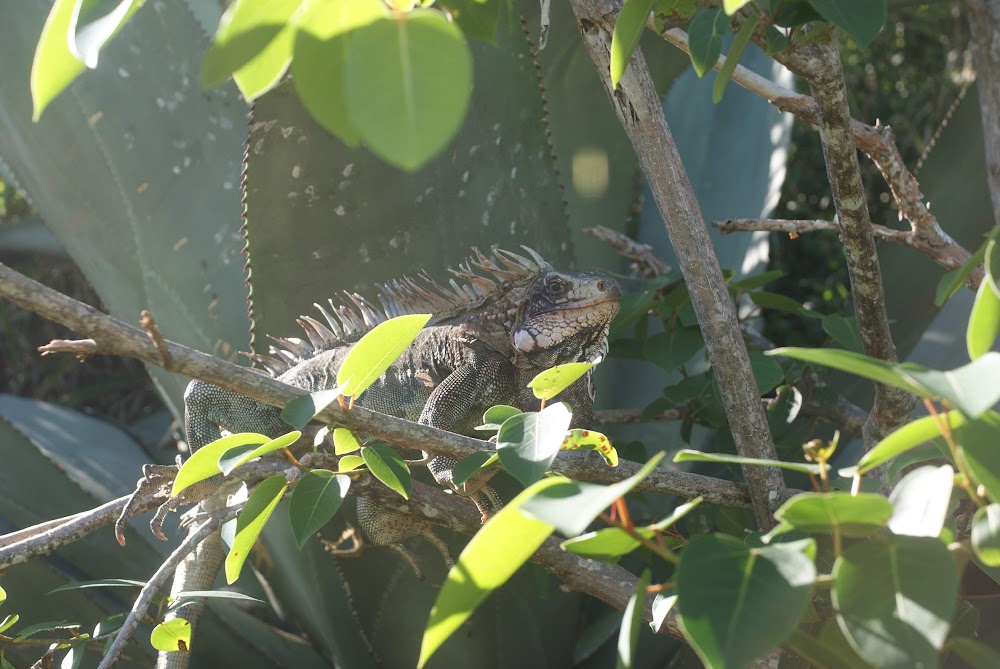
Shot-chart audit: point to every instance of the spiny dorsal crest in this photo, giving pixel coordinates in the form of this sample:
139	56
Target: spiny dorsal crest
348	318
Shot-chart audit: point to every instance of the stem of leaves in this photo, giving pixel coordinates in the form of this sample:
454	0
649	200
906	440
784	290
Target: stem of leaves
964	481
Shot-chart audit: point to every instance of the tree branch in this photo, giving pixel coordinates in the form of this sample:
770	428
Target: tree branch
878	144
638	108
984	17
112	337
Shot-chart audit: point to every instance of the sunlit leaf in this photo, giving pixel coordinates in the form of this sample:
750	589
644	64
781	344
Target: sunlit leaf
249	524
591	440
408	85
628	636
739	45
172	635
551	382
100	583
8	622
628	29
54	67
688	455
909	436
986	534
984	321
376	351
228	464
315	499
498	550
571	506
849	515
204	463
920	501
955	279
662	605
344	441
350	463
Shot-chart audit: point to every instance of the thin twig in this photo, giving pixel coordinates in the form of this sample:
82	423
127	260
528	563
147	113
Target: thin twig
157	581
796	227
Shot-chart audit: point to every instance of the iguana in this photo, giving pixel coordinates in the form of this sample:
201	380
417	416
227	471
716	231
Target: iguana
490	333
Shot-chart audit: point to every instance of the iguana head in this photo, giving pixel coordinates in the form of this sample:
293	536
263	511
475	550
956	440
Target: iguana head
565	318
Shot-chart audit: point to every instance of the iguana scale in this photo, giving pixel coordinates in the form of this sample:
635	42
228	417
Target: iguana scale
491	332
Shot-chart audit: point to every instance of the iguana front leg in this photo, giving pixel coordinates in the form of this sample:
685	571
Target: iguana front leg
457	405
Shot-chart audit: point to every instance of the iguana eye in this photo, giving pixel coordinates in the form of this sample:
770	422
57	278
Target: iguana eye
556	286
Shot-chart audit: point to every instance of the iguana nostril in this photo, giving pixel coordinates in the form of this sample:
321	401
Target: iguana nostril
601	287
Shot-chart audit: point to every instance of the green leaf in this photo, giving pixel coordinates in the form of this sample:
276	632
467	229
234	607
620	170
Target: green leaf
100	583
977	444
249	524
755	281
408	85
776	42
551	382
214	594
975	653
955	279
851	515
229	462
253	44
315	499
844	331
920	501
671	350
909	436
204	463
3	595
779	302
109	625
92	32
54	67
738	602
991	262
376	351
344	441
47	626
628	29
894	614
388	467
828	649
350	463
705	36
986	534
972	388
591	440
984	321
469	465
9	622
610	543
301	410
571	506
733	57
662	605
319	67
499	413
528	442
861	19
688	455
732	6
628	635
172	635
498	550
766	372
73	657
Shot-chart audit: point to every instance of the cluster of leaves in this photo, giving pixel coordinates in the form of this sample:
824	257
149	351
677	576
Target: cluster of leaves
657	324
397	74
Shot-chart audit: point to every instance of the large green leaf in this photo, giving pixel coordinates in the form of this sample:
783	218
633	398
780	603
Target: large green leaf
861	19
249	524
895	615
498	550
388	467
836	512
408	85
376	351
920	501
736	602
909	436
315	498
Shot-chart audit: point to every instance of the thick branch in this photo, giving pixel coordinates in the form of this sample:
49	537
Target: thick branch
638	108
984	22
878	143
826	78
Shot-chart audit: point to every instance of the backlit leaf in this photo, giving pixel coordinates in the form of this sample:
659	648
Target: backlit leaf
172	635
249	524
850	515
628	29
920	501
227	465
551	382
344	441
376	351
984	321
204	463
388	467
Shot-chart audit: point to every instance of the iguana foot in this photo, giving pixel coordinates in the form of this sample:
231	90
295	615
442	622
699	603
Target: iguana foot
387	527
